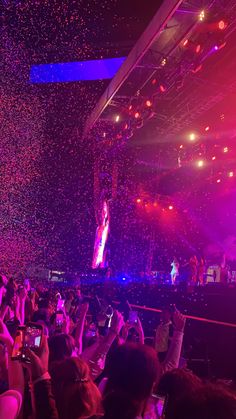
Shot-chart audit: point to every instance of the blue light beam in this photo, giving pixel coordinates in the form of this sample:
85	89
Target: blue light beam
75	71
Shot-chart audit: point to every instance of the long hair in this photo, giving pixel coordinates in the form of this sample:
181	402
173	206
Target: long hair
132	373
77	397
61	346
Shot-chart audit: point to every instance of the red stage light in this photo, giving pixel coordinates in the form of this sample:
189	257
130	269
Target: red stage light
162	88
213	158
185	42
138	200
222	25
225	149
198	49
148	103
207	128
130	107
126	126
154	81
137	115
231	174
171	207
218	181
181	146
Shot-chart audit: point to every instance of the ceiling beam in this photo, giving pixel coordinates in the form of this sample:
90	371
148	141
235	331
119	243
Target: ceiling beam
157	24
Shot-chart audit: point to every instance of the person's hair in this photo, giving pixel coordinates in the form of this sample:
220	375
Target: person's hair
208	402
75	393
61	346
133	370
176	383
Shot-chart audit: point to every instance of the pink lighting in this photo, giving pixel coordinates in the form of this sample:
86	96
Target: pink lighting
207	128
218	181
137	115
171	207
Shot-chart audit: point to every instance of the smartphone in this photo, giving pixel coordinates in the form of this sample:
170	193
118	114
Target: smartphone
59	319
33	335
159	403
60	304
133	317
29	336
18	344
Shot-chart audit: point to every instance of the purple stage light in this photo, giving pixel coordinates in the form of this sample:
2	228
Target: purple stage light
75	71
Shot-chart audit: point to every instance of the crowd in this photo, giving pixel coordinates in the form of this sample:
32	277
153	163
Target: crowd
63	356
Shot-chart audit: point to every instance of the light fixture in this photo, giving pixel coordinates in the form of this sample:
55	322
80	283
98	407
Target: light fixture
138	200
222	25
200	163
148	103
192	136
201	16
117	118
137	115
225	149
171	207
231	174
218	181
207	128
213	158
163	61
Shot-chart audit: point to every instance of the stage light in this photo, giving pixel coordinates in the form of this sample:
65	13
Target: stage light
163	61
200	163
185	42
192	136
117	118
155	204
231	174
218	181
162	88
207	128
225	149
197	68
222	25
137	115
148	103
171	207
154	81
181	146
198	49
213	158
201	16
104	135
216	48
130	107
138	200
126	126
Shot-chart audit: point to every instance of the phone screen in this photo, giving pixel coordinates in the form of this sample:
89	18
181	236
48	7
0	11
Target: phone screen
59	319
18	344
133	317
159	404
33	336
60	304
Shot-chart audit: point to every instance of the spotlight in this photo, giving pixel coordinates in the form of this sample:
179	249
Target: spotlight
207	128
213	158
171	207
218	181
231	174
154	81
222	25
138	200
198	49
137	115
130	107
104	135
192	136
200	163
225	149
148	103
181	146
117	118
163	61
201	16
185	42
162	88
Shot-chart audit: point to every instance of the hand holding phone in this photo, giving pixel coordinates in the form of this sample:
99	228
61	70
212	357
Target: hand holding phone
27	337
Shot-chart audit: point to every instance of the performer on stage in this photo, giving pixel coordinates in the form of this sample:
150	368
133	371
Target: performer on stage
175	271
193	263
